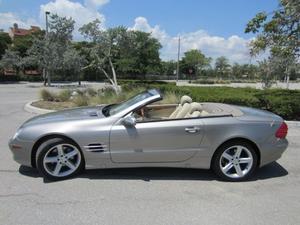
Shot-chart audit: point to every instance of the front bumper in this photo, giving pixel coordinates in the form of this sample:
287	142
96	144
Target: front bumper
21	151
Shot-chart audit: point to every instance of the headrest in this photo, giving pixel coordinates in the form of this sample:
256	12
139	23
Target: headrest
195	106
185	99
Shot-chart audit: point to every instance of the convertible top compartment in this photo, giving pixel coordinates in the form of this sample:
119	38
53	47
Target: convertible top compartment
221	109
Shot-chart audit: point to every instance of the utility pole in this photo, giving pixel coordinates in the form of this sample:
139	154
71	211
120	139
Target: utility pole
177	77
47	26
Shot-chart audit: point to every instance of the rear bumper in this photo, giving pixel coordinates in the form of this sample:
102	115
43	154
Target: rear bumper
271	152
21	151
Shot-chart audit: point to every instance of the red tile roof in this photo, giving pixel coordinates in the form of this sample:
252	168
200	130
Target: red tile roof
23	32
20	32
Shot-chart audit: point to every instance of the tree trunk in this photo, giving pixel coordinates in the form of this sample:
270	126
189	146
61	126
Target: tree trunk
44	77
113	81
48	72
79	80
115	85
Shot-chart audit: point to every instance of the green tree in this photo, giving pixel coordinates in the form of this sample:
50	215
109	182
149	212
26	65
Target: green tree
21	44
73	62
83	48
222	66
49	52
168	67
11	60
118	50
278	31
265	71
236	70
244	71
281	68
145	53
105	49
5	41
196	61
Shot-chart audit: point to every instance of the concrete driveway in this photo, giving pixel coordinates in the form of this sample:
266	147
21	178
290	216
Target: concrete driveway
141	196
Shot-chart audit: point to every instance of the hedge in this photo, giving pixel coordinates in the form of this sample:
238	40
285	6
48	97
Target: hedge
31	78
209	81
285	103
17	78
9	78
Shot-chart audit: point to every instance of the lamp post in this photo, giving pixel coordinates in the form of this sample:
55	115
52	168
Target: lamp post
178	56
47	26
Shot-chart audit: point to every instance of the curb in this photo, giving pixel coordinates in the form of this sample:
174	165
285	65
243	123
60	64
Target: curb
32	109
293	123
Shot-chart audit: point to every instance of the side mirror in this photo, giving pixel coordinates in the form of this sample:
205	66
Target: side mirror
129	121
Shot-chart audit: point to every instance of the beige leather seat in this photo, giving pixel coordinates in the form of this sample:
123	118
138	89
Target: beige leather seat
195	110
204	113
183	108
183	111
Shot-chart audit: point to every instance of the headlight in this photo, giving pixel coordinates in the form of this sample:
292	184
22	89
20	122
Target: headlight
17	133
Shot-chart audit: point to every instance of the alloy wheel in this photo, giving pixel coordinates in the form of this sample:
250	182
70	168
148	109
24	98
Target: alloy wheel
236	161
62	160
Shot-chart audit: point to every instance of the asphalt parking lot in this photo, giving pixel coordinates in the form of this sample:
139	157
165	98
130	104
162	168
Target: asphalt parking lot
141	196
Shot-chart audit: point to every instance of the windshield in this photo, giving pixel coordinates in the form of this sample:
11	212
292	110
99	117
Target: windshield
114	109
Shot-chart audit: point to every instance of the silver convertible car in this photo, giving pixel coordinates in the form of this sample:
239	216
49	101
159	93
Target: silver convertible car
232	140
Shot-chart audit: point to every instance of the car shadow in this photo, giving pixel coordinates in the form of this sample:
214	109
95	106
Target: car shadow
269	171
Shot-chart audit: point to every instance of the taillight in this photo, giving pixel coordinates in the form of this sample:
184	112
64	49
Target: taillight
282	131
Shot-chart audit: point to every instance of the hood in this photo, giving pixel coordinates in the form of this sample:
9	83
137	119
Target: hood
67	115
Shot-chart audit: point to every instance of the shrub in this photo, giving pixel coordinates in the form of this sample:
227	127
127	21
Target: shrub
209	81
31	78
122	82
245	81
202	82
47	95
80	100
80	92
108	90
222	82
285	103
64	95
171	98
91	92
9	78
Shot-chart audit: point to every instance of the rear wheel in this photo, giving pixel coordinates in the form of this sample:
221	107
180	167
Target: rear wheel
59	159
235	161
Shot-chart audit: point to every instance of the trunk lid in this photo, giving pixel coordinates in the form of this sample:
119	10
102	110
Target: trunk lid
251	114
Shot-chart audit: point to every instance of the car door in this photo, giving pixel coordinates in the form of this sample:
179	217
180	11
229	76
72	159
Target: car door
156	141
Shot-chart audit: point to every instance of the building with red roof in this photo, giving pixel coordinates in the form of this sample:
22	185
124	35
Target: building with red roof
15	31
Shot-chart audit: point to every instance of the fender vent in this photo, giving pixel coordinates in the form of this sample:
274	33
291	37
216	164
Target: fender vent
96	147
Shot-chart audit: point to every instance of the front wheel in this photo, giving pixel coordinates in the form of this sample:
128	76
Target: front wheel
59	159
235	161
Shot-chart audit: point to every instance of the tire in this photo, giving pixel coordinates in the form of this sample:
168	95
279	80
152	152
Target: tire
59	159
235	161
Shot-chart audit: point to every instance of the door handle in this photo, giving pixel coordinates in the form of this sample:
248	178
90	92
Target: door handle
192	129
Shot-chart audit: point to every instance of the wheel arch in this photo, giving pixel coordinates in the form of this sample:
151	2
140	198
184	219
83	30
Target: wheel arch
44	138
247	140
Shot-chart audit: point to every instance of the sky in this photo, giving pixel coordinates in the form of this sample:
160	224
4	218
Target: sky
216	27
